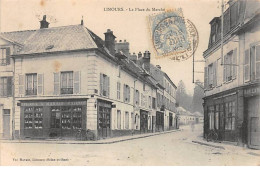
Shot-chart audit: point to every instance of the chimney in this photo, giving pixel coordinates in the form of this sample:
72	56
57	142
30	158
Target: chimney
139	55
133	57
44	23
123	46
110	41
146	61
82	21
158	66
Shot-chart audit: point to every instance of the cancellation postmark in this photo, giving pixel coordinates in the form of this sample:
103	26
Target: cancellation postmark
173	36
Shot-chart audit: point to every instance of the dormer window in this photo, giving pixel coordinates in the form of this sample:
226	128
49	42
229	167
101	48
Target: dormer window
4	56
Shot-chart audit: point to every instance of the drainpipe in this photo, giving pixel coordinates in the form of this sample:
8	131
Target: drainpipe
13	95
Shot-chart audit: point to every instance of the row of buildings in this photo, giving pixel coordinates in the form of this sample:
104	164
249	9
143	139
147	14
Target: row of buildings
185	117
232	82
55	81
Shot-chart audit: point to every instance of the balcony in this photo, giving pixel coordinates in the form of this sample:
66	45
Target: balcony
30	92
66	90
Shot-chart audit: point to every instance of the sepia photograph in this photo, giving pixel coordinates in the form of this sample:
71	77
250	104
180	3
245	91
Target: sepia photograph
129	82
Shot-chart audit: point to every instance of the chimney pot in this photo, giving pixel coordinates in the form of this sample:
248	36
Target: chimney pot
139	55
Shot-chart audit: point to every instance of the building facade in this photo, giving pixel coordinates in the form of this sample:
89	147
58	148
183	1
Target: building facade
231	102
64	79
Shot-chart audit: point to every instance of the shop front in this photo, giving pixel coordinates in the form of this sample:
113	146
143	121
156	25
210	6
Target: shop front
52	119
252	116
159	121
221	116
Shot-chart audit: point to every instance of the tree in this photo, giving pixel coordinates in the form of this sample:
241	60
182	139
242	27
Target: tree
183	99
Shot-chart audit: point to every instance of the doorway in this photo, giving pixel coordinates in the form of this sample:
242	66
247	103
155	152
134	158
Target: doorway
6	124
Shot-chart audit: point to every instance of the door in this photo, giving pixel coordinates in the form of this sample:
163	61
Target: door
254	122
254	131
144	122
104	121
6	123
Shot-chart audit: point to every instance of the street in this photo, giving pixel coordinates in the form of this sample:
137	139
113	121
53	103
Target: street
167	149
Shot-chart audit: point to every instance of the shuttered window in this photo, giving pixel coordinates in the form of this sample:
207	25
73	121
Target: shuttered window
4	56
118	90
104	85
5	86
137	97
31	84
66	82
257	62
126	93
206	78
252	63
246	66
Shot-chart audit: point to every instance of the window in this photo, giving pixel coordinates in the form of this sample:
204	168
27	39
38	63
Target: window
4	56
211	117
118	90
230	66
149	101
137	97
153	103
217	117
104	85
126	120
5	86
212	75
252	63
118	119
31	84
66	82
230	116
126	93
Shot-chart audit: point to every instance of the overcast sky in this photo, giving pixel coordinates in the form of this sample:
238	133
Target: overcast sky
24	15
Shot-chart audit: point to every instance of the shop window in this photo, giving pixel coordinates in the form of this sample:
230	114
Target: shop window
4	56
66	82
217	117
55	117
33	117
5	86
31	84
211	117
104	117
230	116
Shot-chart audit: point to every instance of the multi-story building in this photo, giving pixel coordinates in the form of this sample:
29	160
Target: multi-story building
231	104
67	78
166	100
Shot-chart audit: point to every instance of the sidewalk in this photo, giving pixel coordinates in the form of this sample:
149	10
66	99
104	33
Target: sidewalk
226	146
102	141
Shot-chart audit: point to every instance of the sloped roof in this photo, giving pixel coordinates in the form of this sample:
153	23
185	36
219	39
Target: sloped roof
198	114
65	38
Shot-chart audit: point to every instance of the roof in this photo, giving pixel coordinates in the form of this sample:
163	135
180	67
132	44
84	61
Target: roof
65	38
198	114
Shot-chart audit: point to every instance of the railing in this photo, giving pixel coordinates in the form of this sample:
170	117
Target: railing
66	90
31	92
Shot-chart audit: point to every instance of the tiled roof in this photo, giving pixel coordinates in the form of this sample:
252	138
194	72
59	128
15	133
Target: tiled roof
64	38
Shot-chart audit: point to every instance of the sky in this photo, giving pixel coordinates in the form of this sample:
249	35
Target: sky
132	26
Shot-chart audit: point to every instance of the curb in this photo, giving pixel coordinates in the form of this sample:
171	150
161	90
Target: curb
210	145
105	142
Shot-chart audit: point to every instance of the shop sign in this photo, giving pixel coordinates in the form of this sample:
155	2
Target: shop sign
251	91
54	103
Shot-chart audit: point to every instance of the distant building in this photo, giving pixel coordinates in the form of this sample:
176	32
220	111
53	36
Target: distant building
231	104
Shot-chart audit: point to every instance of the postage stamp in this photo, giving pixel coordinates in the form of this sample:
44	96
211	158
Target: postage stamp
173	36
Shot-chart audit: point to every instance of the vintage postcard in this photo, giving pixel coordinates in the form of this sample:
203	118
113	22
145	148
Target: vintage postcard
129	83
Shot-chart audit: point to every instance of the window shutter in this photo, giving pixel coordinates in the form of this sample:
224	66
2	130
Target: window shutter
124	93
108	86
225	68
252	63
9	86
257	62
101	84
21	85
56	83
40	84
215	73
246	66
76	89
7	56
234	57
205	77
